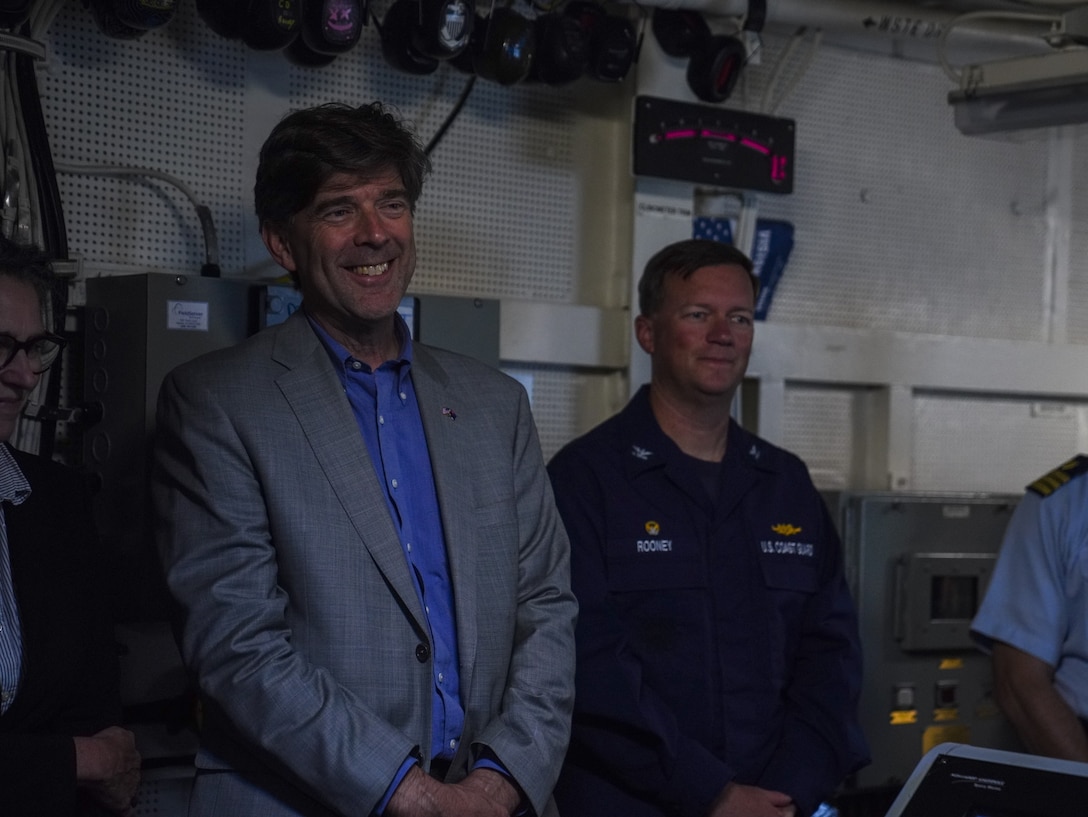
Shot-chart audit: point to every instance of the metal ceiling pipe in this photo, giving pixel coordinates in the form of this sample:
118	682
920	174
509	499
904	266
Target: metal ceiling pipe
895	29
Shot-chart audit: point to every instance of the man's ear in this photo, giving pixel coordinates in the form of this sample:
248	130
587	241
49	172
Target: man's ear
644	333
278	247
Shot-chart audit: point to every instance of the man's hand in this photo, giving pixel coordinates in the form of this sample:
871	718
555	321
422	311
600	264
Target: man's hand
108	768
484	793
737	800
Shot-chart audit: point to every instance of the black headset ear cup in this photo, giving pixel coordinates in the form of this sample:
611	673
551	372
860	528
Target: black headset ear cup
145	14
109	23
298	53
444	28
397	48
613	52
562	50
331	26
13	13
224	17
466	60
270	25
679	32
508	44
612	40
714	68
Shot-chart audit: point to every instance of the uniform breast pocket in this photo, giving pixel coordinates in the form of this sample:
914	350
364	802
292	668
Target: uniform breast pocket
652	564
790	574
659	590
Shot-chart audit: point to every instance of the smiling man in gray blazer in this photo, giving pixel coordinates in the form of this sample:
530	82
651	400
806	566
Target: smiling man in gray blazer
371	576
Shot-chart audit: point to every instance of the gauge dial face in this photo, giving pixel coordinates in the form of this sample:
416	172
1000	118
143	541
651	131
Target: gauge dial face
706	144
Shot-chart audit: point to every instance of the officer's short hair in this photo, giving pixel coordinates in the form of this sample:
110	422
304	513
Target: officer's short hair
683	258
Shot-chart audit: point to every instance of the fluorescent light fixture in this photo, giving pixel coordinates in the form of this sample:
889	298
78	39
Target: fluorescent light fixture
1024	93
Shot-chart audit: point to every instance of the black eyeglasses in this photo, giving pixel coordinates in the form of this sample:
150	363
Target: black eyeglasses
41	350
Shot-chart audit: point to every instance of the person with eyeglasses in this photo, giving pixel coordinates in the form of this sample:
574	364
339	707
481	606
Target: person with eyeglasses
62	753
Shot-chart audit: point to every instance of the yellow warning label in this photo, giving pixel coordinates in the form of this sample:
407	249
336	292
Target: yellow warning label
952	733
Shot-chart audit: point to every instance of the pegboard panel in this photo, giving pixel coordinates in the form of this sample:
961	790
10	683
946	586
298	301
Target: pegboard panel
818	426
555	395
902	223
499	216
970	443
171	101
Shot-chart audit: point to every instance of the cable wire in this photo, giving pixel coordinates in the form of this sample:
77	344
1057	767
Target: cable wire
441	132
204	213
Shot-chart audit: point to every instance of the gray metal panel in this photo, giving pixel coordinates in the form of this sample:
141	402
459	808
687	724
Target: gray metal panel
133	341
951	686
466	325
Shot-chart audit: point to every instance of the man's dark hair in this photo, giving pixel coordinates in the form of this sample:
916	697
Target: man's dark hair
27	263
309	146
683	258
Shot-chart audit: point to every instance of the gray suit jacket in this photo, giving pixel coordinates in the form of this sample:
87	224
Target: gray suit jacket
298	615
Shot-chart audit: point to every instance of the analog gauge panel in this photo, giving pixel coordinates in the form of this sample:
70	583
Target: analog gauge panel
706	144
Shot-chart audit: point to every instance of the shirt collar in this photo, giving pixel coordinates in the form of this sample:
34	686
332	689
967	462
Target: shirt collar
343	360
14	487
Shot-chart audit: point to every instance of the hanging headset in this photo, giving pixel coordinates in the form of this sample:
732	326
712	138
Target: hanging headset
263	25
612	40
129	19
562	49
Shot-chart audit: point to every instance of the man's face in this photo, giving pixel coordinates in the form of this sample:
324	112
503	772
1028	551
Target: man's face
20	317
701	337
353	250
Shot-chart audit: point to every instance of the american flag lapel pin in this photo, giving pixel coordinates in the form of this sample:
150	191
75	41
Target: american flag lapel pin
448	412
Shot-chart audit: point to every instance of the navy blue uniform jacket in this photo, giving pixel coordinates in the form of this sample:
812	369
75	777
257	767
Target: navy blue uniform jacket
717	639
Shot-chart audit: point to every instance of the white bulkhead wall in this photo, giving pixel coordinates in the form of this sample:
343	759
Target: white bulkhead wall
927	332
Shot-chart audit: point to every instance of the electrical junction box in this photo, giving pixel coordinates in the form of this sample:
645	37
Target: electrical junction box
918	566
138	328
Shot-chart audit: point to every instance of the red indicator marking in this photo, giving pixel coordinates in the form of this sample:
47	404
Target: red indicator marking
713	134
680	134
748	143
778	168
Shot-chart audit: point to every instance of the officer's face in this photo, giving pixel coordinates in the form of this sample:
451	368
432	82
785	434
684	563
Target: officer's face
701	337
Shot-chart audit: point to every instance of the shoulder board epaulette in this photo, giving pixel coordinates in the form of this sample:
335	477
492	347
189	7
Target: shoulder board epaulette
1052	481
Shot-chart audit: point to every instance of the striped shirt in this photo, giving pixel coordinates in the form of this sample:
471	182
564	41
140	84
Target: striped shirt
14	489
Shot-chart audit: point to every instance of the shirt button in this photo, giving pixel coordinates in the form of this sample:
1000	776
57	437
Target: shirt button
381	420
409	547
423	652
356	365
394	483
441	678
403	396
453	743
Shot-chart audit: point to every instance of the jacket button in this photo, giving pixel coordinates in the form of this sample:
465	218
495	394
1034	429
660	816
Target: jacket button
423	652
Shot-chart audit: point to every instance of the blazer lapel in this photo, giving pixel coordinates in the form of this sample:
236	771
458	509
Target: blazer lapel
316	397
449	449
